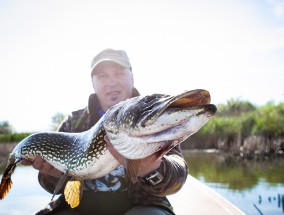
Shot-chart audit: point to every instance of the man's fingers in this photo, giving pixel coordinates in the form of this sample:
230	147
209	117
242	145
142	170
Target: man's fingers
26	162
39	163
43	167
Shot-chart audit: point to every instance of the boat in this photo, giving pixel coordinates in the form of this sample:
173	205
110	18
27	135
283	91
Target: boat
196	198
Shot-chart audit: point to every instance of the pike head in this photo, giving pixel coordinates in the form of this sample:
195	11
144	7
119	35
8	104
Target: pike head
141	126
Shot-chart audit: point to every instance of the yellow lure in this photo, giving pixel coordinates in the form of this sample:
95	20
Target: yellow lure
72	193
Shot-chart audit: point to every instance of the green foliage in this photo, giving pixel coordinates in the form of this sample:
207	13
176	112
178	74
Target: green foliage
235	108
5	127
56	120
236	121
231	119
12	137
270	121
6	135
242	117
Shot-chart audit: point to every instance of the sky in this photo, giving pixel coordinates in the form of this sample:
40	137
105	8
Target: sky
232	48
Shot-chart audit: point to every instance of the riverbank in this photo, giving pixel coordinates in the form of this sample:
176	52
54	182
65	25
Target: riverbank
5	150
242	153
249	147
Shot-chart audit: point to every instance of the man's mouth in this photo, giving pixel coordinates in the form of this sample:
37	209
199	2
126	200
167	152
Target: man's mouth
113	93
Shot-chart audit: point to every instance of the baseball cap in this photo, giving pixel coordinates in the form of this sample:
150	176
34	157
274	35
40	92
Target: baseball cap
118	56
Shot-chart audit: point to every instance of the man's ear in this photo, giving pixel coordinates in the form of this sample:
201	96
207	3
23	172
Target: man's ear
92	77
132	77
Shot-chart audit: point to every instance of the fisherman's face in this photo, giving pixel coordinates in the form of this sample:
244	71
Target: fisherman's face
112	83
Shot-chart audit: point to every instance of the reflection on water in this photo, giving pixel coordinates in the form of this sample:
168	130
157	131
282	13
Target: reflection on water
256	187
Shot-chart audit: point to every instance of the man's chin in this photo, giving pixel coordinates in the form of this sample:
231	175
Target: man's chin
114	101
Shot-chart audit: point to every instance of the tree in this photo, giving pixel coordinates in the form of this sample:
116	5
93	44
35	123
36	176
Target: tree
56	120
270	121
235	107
5	127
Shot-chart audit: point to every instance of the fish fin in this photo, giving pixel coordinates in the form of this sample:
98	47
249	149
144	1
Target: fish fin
73	193
6	182
132	169
165	150
5	187
161	153
60	184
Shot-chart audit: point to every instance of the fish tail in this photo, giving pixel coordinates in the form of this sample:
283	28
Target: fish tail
5	186
6	182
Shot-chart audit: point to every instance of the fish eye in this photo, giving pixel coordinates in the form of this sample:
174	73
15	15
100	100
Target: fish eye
148	99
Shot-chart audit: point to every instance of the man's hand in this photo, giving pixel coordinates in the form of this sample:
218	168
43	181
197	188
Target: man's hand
43	167
148	164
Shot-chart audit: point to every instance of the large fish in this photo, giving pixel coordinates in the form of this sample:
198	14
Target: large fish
137	127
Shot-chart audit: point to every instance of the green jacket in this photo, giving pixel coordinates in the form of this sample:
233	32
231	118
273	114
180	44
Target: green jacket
116	185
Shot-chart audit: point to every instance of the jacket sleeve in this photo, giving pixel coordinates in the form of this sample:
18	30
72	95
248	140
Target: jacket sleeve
174	171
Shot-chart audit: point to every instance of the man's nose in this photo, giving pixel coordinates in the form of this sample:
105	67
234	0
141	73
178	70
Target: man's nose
112	81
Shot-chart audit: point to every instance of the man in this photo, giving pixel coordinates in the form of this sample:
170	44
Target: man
113	82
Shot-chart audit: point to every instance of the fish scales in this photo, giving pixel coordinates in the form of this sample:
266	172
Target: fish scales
73	152
136	127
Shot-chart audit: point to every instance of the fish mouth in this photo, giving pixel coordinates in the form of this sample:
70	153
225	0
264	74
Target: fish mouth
144	125
191	98
169	134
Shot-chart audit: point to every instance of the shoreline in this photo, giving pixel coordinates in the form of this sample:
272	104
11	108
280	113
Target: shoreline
5	150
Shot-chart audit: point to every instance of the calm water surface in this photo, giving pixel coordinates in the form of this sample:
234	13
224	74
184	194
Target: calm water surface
256	187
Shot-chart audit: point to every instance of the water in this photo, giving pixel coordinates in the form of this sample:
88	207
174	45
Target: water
254	186
26	195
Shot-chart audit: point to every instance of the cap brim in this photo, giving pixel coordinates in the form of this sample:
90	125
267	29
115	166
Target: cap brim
124	64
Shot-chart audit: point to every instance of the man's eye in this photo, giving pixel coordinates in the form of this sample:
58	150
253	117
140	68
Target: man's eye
121	73
101	76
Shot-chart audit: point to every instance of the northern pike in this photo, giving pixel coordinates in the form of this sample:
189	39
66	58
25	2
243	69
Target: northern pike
137	127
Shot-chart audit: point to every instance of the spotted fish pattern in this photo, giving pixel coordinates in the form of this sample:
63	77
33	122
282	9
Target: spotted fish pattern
137	128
